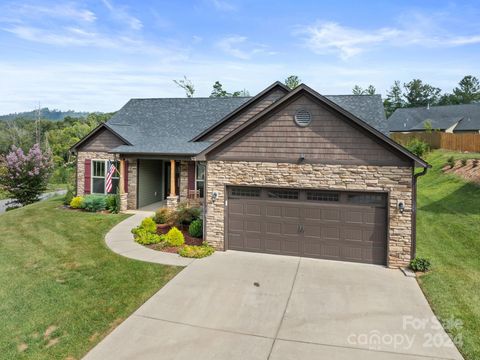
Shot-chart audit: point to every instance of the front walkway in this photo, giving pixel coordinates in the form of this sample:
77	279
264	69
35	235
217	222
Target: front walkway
236	305
120	240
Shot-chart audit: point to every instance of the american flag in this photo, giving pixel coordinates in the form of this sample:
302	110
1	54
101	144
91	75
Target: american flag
110	171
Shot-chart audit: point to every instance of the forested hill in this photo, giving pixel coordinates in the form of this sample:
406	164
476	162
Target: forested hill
45	113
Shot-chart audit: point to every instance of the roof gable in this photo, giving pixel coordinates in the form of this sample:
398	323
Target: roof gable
102	138
305	90
243	112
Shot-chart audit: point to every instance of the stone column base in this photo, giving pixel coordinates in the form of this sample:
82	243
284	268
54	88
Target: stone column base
123	201
172	202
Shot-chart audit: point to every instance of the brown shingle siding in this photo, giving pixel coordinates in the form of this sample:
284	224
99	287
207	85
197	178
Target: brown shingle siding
103	140
328	138
232	124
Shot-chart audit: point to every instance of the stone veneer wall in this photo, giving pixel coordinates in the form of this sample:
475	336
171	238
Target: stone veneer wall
183	180
395	180
132	174
132	183
81	157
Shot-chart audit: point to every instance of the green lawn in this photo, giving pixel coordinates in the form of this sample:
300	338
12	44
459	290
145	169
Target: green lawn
61	289
448	233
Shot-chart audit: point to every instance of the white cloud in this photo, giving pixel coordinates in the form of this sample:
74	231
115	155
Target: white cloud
331	37
121	14
240	48
21	12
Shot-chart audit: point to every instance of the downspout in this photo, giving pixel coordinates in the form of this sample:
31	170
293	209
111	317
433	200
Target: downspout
413	250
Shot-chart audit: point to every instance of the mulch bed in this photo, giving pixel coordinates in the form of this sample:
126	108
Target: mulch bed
189	240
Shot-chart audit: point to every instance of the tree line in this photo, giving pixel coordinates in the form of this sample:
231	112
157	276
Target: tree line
417	93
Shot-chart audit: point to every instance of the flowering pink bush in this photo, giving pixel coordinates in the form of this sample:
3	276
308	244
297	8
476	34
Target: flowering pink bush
26	175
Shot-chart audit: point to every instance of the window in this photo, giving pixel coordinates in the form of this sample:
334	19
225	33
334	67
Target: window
200	178
367	199
322	195
245	192
99	172
283	194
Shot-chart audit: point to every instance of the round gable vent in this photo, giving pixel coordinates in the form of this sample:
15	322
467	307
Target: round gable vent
303	118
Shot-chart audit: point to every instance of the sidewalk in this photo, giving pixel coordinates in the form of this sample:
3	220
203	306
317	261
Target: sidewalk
120	240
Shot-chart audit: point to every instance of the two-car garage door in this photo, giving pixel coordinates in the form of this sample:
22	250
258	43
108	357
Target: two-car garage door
348	226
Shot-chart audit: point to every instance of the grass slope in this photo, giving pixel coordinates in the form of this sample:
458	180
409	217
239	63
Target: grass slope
448	233
61	289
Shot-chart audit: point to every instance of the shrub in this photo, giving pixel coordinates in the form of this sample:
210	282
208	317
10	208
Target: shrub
113	203
464	162
144	237
196	228
420	264
149	225
94	203
26	175
193	251
451	161
174	237
185	214
68	197
164	216
418	147
77	202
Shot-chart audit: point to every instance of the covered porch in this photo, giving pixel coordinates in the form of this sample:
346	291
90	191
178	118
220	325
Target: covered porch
153	182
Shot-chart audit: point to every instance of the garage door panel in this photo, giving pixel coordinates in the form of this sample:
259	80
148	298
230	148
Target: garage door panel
253	210
335	230
291	246
273	228
273	211
291	212
331	215
253	227
273	245
290	229
253	242
235	225
235	241
236	208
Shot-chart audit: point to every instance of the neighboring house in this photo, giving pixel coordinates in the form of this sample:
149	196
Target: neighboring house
285	172
446	118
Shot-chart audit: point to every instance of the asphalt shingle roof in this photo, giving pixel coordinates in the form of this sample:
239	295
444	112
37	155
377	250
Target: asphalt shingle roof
166	125
441	117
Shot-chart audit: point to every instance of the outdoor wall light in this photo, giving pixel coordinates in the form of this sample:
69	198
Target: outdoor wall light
302	157
214	196
401	207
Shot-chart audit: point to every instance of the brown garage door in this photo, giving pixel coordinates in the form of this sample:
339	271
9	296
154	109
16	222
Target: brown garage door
348	226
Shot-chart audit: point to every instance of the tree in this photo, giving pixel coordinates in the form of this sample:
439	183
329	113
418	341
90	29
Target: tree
394	99
468	90
358	90
292	81
187	85
218	91
419	94
26	176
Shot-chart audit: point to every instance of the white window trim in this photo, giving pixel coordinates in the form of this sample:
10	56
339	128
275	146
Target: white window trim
196	173
100	177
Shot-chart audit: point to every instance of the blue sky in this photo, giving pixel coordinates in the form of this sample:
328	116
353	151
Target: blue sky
95	55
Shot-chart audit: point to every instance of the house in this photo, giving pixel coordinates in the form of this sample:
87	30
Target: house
446	118
284	172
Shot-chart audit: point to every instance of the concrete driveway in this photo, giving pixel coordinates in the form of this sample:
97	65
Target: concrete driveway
237	305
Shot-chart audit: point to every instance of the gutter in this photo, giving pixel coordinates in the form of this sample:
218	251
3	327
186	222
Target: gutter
414	211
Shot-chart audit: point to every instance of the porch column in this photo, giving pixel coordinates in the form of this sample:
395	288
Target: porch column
123	194
172	199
